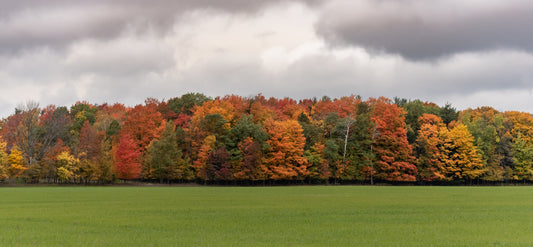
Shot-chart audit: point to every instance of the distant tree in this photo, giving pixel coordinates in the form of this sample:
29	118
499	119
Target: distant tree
246	146
143	125
488	128
89	152
260	111
522	159
186	103
218	165
127	165
331	155
200	165
81	112
343	107
4	162
461	158
251	167
68	167
164	160
55	123
429	145
89	142
394	159
319	168
16	163
522	124
284	157
448	113
28	133
414	109
49	164
312	131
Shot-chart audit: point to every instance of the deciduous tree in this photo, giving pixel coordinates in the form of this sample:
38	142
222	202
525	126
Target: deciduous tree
164	160
143	125
431	164
462	160
284	158
16	163
522	159
127	165
200	165
68	167
4	162
250	167
394	159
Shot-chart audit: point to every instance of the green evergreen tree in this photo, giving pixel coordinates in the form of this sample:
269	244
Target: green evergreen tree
164	160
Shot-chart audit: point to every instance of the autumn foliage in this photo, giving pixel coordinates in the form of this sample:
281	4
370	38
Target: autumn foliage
284	158
260	140
394	158
127	156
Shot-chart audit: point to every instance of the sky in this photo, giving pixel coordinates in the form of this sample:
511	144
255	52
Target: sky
468	53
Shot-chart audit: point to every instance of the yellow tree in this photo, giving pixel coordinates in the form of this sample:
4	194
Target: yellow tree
459	153
221	107
3	161
16	163
522	124
68	167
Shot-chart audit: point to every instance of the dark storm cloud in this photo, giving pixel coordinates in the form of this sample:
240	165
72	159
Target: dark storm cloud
56	23
420	29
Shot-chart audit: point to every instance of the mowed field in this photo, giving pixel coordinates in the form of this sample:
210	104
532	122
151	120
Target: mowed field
266	216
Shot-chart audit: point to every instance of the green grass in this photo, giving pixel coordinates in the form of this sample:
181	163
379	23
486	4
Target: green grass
266	216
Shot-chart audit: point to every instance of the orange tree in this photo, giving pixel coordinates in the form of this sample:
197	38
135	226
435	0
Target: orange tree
394	159
284	158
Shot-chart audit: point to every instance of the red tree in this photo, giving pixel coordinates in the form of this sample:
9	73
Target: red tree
89	142
143	125
250	168
218	163
394	160
127	165
344	107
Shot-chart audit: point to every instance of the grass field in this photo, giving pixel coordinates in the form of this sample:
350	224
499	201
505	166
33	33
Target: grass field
266	216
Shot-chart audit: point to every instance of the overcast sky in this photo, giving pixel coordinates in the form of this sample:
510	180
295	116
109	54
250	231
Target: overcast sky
469	53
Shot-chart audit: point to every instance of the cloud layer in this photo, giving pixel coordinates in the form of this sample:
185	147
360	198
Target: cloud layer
56	23
470	54
418	29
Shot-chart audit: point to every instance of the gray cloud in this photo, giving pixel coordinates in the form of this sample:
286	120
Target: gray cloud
465	80
390	76
419	29
59	52
57	23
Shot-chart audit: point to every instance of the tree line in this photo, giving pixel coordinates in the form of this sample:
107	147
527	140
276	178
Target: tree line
258	140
